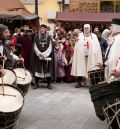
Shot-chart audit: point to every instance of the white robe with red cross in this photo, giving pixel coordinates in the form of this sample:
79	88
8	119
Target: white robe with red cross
86	47
113	61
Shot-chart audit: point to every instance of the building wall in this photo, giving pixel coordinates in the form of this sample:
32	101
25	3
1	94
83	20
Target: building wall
84	5
44	7
90	5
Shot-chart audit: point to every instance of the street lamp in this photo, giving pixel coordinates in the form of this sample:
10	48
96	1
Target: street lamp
36	7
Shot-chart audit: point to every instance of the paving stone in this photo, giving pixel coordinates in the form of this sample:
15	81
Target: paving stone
64	107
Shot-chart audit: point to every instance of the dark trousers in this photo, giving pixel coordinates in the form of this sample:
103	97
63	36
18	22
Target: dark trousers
79	79
48	80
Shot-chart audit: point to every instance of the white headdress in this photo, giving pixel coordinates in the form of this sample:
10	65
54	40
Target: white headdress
86	25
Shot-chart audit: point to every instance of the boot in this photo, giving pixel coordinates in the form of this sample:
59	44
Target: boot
49	86
32	83
35	86
36	83
78	85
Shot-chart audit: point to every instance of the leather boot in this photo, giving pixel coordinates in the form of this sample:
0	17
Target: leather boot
78	84
35	87
49	86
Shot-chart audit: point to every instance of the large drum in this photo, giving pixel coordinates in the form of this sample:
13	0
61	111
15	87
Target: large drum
9	77
24	79
96	76
102	93
112	113
11	104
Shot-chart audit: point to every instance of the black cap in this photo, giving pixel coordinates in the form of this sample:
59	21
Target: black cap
43	25
116	21
2	28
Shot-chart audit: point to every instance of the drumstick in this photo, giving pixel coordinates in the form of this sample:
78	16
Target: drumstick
3	86
92	67
23	65
8	95
3	64
24	69
21	77
2	82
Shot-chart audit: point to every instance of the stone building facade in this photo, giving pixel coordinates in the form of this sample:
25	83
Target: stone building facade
92	6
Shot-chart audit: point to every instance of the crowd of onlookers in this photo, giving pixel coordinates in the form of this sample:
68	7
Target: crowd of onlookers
64	48
64	42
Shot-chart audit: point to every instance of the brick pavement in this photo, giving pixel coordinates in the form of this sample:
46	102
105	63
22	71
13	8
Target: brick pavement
64	107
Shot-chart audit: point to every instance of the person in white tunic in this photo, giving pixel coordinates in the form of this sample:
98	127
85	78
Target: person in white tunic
87	54
112	69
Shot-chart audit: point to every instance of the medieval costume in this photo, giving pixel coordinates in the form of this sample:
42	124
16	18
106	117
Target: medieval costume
113	54
68	51
5	51
110	95
87	54
42	58
59	58
26	48
103	43
11	61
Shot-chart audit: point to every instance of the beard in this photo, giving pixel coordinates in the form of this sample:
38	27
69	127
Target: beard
115	29
6	37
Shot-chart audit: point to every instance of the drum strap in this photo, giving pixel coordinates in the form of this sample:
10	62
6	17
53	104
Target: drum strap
106	56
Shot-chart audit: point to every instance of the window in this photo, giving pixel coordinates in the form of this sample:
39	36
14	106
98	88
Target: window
107	6
118	6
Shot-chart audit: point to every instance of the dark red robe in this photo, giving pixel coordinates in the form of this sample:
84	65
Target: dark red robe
68	55
26	42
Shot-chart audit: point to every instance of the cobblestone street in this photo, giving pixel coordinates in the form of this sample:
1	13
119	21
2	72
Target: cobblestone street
64	107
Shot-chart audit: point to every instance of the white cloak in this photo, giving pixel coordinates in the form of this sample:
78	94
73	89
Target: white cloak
79	66
113	61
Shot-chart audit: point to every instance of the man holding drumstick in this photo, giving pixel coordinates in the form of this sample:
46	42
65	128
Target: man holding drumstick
113	59
112	56
7	58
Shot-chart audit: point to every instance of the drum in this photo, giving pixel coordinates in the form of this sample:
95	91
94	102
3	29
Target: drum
11	104
102	93
9	77
96	76
24	79
112	113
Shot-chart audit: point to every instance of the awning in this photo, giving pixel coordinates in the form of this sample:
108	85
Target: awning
19	14
86	17
15	10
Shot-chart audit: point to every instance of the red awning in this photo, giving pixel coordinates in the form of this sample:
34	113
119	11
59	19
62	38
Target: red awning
86	17
14	9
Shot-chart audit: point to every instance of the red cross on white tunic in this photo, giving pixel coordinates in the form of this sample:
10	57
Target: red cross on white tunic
87	45
118	61
77	40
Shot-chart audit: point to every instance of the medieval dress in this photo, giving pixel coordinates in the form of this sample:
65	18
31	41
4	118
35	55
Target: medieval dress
113	59
26	49
69	55
11	61
42	68
59	64
87	54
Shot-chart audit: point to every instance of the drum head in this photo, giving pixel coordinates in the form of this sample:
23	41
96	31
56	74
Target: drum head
12	100
9	77
23	76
